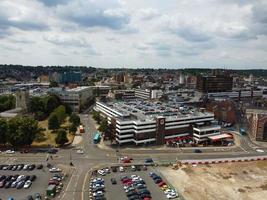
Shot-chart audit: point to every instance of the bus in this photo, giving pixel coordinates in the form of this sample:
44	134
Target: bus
97	138
242	131
81	129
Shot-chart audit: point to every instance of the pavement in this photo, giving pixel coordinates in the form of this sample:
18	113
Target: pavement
94	156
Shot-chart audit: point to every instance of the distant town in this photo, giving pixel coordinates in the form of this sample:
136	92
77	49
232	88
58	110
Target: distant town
95	133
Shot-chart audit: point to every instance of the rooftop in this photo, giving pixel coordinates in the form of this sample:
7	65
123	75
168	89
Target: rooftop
146	110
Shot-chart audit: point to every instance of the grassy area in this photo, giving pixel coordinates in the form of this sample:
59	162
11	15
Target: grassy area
47	137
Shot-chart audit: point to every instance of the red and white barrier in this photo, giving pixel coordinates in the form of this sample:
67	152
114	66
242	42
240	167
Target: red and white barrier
224	160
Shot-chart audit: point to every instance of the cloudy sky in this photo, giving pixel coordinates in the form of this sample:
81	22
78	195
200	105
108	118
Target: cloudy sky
134	33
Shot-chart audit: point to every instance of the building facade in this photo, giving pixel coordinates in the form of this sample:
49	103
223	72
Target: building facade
257	124
76	98
139	124
218	83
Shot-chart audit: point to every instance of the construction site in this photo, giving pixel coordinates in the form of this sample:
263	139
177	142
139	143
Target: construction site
232	181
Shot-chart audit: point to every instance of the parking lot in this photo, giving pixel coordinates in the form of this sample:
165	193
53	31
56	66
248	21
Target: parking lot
38	186
116	191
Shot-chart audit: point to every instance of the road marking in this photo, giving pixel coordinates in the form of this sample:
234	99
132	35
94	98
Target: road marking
243	149
84	182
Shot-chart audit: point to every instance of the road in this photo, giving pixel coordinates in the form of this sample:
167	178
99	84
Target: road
77	187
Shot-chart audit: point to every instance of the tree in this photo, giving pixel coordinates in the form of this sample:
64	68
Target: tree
96	116
60	112
7	102
61	138
53	122
22	131
75	119
3	131
73	128
103	126
53	84
51	102
36	104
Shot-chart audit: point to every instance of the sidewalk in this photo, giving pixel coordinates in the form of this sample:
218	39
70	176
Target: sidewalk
156	149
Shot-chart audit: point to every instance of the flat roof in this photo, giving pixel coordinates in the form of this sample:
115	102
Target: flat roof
221	136
147	111
207	128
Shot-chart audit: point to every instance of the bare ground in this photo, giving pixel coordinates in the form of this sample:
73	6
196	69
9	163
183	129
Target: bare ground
231	181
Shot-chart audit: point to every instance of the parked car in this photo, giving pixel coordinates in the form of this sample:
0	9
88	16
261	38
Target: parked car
40	166
27	184
113	181
9	151
149	160
54	169
197	151
121	169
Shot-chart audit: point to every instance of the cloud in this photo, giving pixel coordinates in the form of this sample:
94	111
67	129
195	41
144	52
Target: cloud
53	2
259	19
148	13
80	45
21	16
100	13
66	41
190	30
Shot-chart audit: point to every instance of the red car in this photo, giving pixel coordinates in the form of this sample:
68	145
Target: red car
126	161
161	183
53	182
126	180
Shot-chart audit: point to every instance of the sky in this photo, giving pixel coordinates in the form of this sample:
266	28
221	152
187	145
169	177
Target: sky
230	34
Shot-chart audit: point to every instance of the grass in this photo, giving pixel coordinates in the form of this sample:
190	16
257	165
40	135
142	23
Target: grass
47	137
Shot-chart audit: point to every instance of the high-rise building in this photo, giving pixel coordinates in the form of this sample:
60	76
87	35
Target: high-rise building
214	83
70	77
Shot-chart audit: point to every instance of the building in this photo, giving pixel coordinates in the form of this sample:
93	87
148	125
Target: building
213	84
257	124
70	77
148	94
140	121
76	98
123	94
238	94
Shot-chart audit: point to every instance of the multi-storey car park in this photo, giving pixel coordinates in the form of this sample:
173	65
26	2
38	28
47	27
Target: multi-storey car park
142	122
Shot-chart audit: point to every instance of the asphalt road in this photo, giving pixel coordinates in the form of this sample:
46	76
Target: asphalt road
77	188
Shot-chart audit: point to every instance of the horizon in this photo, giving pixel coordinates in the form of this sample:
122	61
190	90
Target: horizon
119	33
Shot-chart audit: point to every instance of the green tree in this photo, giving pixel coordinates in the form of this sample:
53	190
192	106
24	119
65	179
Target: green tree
53	84
7	102
36	104
22	131
61	138
103	126
96	116
3	131
73	128
75	119
51	102
60	111
53	122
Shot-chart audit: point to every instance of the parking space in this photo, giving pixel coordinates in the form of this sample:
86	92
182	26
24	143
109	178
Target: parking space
37	186
116	191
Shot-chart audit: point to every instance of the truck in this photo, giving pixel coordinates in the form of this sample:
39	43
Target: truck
81	129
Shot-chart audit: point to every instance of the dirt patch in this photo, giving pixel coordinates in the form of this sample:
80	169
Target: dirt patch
230	181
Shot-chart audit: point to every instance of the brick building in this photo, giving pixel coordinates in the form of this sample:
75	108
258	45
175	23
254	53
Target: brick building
257	123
